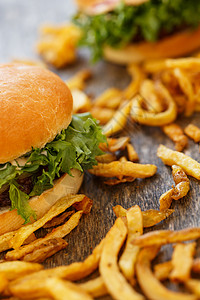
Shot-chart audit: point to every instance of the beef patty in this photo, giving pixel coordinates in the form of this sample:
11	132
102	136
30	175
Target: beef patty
25	185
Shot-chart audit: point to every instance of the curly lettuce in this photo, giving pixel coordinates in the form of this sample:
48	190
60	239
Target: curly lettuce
75	147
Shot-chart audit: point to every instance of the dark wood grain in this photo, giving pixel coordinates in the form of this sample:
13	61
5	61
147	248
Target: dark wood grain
19	21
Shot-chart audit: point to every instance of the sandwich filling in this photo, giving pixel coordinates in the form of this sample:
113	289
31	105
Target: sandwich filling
149	21
74	148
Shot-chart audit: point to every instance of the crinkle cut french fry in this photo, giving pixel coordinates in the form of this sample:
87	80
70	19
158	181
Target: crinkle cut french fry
170	157
149	284
175	133
193	132
108	267
162	237
60	206
117	169
182	258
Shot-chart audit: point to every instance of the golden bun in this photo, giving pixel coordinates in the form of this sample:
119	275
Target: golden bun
175	45
10	220
35	105
94	7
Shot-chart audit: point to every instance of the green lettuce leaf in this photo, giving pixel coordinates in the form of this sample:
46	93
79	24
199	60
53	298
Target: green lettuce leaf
19	201
75	147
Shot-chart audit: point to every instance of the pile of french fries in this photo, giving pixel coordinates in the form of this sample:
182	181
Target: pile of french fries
123	260
65	214
158	93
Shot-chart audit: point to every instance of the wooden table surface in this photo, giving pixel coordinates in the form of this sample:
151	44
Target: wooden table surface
19	22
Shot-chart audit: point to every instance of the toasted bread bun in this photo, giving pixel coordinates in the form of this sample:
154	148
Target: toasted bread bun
95	7
35	105
176	45
10	220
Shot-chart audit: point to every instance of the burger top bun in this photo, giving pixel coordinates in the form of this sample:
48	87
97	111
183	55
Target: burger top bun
95	7
35	105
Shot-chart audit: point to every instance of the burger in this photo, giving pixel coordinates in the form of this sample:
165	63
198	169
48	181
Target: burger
135	30
43	148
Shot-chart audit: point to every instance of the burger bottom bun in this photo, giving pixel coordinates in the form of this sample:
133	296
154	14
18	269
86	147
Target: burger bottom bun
175	45
10	220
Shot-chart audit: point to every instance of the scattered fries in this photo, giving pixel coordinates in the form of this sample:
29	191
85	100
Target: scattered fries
135	228
117	169
61	205
132	154
15	269
163	237
25	280
140	115
175	133
151	287
182	187
58	45
81	102
193	132
170	157
109	270
118	121
25	252
182	262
